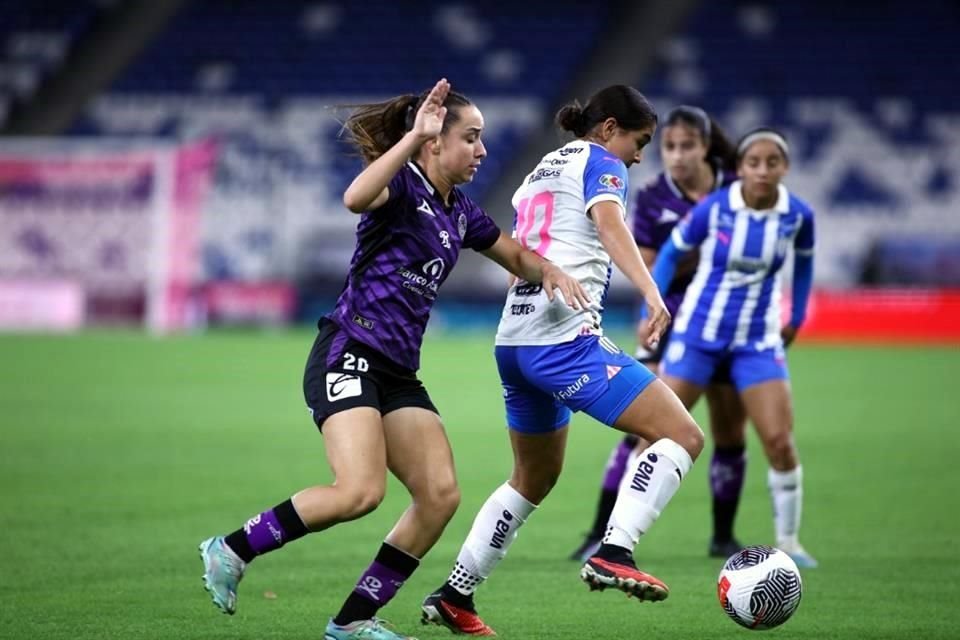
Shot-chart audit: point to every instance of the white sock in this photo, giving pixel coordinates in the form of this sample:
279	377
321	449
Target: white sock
492	533
786	493
646	489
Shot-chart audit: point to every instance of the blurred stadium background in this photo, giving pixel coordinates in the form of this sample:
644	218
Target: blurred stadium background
175	164
239	93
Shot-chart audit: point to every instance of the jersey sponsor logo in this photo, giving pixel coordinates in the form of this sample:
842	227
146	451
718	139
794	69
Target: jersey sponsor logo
611	181
566	151
748	265
554	162
573	389
667	216
543	174
425	208
462	225
522	309
445	239
434	268
527	289
501	529
426	285
341	386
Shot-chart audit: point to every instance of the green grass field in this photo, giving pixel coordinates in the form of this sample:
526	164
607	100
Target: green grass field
120	452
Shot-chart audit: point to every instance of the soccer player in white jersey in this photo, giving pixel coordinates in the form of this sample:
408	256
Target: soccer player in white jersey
730	315
571	210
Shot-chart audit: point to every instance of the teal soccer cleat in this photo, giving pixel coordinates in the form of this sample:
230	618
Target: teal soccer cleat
222	572
362	630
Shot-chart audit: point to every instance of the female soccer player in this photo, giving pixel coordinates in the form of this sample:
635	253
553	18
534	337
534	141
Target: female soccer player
571	210
360	381
698	158
730	315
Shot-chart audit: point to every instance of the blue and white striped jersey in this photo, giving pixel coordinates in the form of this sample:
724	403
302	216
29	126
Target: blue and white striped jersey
734	299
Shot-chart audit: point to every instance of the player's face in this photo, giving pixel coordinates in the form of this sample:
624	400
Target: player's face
682	149
762	167
460	150
628	144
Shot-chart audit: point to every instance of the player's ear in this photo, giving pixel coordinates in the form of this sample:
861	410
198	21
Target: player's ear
609	129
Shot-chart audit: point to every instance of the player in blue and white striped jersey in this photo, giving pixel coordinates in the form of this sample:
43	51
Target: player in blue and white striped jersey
730	315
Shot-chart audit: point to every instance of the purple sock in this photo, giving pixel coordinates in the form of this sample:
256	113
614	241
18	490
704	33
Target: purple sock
727	469
267	531
379	583
617	465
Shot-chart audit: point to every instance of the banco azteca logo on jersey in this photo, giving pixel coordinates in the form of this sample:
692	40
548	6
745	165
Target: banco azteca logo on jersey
424	279
611	181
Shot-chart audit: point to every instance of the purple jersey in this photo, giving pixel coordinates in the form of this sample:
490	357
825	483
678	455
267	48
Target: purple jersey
405	250
660	205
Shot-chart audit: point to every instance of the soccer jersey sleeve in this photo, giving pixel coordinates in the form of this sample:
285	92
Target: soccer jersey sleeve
604	179
481	231
399	191
804	240
644	220
692	230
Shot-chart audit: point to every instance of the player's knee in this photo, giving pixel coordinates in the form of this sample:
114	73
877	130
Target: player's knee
535	483
445	499
781	450
364	500
691	438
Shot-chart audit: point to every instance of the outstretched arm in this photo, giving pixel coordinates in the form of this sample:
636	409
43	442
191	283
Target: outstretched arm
368	191
527	265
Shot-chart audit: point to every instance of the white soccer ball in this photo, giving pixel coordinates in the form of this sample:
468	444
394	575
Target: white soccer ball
759	587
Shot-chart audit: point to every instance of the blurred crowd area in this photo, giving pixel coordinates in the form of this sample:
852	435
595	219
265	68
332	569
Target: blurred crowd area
867	97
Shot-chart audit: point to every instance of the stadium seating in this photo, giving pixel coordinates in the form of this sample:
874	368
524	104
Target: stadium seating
261	78
34	38
866	99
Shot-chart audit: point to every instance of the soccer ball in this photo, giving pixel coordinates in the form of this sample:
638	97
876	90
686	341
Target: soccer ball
759	587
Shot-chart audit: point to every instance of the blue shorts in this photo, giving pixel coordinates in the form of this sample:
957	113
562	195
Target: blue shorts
543	385
747	366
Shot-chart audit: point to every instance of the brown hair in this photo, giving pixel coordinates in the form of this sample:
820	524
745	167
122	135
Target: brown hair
625	104
374	128
720	150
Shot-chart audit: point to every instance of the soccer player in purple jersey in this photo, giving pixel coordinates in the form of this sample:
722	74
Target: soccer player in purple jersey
698	158
360	381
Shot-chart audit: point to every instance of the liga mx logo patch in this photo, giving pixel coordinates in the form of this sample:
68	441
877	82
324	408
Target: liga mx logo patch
611	181
462	225
342	385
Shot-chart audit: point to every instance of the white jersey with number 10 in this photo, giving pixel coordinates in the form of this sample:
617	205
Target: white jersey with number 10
552	220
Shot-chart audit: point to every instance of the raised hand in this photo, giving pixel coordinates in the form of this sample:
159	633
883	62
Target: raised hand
429	120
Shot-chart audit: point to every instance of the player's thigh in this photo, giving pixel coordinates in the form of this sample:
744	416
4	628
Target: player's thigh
658	413
770	407
418	452
728	416
356	449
